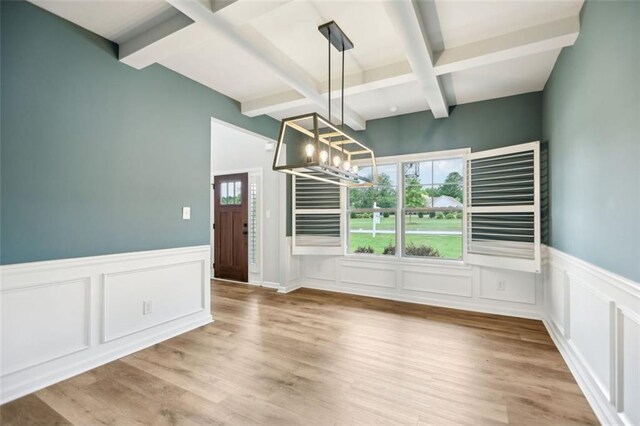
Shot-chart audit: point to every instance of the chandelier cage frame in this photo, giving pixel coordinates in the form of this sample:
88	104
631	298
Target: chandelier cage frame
311	146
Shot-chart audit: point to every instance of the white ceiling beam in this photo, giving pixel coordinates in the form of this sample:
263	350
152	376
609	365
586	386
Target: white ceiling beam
549	36
253	44
372	79
178	31
161	41
405	16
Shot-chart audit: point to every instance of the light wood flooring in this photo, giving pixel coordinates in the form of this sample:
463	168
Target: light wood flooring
319	358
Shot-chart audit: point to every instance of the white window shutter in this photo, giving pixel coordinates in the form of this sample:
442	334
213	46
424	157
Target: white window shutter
502	208
317	217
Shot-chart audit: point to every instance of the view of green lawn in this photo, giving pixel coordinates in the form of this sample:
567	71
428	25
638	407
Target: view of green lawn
412	223
449	246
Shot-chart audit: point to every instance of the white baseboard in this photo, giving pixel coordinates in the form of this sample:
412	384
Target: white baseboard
81	313
270	284
293	286
593	317
265	284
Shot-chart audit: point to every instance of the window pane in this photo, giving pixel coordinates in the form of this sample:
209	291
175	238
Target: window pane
449	170
433	192
384	195
389	170
420	171
223	193
427	181
372	233
433	234
238	195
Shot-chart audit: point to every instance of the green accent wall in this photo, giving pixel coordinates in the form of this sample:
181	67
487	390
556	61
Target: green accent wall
480	125
97	157
591	118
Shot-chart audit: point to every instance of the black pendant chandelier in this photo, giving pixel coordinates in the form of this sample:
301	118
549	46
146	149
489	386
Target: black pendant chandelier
312	146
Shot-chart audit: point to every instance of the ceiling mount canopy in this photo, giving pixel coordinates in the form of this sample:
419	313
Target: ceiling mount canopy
310	145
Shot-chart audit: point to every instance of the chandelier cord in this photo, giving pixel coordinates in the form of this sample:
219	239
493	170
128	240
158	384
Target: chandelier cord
342	103
329	55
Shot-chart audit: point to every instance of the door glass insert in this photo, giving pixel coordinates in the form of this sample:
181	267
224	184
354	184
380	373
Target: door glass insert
224	193
231	193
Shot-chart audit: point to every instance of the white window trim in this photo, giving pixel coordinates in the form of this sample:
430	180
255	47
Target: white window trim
398	258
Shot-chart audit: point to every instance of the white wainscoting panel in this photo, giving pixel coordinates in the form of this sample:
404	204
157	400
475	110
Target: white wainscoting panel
556	292
63	317
591	331
62	327
372	275
175	290
629	367
449	284
594	318
452	283
519	286
323	268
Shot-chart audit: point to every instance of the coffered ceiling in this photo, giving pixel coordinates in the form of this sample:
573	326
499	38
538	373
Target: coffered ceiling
408	56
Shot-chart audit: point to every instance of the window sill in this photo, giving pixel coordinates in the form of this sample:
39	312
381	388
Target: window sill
408	261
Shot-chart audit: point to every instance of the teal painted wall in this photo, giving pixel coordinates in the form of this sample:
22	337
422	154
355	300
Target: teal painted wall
591	118
97	157
479	125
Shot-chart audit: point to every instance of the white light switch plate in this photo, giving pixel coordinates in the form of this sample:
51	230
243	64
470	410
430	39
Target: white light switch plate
186	213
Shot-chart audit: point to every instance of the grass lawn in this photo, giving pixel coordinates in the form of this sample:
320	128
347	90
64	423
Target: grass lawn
413	223
449	246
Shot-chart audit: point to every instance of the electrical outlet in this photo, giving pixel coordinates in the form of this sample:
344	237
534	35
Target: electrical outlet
502	284
147	307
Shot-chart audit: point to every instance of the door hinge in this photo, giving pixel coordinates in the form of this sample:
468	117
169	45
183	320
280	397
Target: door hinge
213	186
213	265
214	226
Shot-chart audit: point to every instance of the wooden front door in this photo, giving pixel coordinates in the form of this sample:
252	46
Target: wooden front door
231	216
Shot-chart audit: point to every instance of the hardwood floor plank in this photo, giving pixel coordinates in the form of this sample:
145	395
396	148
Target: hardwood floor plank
30	410
320	358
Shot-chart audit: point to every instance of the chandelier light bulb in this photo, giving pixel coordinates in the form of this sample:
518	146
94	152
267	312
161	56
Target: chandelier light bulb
346	166
337	160
324	156
309	149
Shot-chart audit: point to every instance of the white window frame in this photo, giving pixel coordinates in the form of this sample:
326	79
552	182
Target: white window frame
398	160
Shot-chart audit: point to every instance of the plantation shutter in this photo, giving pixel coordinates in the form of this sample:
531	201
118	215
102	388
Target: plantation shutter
502	208
317	217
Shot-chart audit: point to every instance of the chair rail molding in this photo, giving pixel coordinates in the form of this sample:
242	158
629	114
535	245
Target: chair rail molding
63	317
